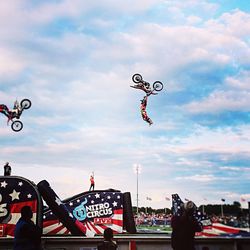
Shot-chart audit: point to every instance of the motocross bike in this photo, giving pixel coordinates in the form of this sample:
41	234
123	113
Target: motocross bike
17	125
145	86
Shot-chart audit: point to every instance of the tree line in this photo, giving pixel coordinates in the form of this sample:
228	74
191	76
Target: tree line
234	209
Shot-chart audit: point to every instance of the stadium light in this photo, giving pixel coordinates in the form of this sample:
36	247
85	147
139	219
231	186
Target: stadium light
137	169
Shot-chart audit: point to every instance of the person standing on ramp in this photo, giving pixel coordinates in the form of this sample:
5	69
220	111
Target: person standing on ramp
92	182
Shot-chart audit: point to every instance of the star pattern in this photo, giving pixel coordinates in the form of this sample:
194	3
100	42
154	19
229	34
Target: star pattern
4	184
177	204
114	199
14	195
106	205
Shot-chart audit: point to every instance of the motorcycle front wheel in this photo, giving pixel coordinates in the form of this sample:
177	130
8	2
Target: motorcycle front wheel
157	86
17	126
25	103
137	78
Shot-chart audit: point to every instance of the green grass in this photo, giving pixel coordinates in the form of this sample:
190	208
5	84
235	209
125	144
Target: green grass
157	229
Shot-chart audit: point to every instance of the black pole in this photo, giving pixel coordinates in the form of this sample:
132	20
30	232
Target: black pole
249	215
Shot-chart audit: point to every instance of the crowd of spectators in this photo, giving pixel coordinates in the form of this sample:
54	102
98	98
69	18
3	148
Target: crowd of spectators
165	219
152	219
231	220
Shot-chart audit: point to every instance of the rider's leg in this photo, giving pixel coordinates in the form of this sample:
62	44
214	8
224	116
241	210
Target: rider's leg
4	110
150	121
146	118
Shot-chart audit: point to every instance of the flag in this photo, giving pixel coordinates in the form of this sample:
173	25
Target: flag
177	210
167	199
223	200
177	204
242	200
218	229
15	193
186	199
148	198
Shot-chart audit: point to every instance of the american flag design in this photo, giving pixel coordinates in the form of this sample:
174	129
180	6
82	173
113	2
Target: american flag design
15	193
209	229
218	229
92	212
177	205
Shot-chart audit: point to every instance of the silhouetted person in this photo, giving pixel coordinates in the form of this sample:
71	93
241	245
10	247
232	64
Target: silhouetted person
184	228
92	183
7	169
27	234
108	243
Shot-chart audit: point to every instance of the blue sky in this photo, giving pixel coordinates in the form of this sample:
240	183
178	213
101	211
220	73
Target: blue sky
75	59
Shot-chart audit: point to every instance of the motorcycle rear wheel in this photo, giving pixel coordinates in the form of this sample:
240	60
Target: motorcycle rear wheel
158	86
17	126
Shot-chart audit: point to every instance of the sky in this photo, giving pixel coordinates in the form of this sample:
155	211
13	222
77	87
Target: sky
74	59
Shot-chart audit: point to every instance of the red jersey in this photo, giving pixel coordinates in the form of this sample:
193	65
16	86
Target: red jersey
92	181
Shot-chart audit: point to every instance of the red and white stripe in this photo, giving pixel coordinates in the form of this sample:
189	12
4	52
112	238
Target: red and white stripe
217	229
53	227
88	228
15	211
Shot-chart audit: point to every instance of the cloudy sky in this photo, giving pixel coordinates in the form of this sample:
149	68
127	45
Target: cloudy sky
74	60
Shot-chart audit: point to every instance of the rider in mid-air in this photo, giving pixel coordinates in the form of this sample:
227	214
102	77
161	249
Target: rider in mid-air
16	109
146	87
10	113
143	110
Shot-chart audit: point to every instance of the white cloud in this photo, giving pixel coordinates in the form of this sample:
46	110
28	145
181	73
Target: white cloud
204	140
199	178
238	168
230	23
239	82
234	97
231	168
179	8
191	20
220	101
84	116
10	64
27	17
